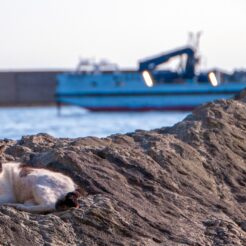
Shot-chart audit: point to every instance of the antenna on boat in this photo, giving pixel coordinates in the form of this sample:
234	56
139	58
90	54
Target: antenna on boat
197	41
196	47
194	39
194	42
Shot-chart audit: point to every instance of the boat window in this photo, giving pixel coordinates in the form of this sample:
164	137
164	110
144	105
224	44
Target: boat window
119	83
94	84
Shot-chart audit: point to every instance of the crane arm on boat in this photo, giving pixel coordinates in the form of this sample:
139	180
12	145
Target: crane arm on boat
189	70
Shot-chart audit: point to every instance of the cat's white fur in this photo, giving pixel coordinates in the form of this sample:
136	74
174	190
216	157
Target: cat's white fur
32	189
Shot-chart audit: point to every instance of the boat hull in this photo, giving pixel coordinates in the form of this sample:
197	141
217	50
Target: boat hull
143	109
134	95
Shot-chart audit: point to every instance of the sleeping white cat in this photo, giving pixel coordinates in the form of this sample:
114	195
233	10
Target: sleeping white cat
36	189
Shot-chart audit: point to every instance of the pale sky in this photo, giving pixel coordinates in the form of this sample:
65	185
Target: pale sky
41	34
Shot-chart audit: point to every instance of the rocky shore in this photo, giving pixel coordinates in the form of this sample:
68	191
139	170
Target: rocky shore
180	185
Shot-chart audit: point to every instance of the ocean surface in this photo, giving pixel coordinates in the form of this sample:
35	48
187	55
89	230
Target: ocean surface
75	122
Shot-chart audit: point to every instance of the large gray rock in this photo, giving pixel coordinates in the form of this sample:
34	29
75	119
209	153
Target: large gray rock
182	185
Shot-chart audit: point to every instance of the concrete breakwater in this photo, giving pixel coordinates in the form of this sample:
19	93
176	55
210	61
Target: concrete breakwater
179	185
19	88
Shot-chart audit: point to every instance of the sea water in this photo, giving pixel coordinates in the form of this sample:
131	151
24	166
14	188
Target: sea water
73	122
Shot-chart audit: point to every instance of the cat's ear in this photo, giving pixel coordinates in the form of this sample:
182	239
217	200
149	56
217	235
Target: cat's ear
80	192
2	148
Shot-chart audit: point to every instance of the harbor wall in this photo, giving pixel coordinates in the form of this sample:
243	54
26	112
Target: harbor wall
27	88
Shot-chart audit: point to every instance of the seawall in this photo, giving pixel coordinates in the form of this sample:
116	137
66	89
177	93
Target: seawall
27	88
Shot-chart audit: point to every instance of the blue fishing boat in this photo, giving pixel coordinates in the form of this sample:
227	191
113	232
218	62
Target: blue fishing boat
104	87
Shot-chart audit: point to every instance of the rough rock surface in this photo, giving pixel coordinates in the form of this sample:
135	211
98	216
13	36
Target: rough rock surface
181	185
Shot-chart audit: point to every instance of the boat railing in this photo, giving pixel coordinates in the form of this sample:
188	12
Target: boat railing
89	66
